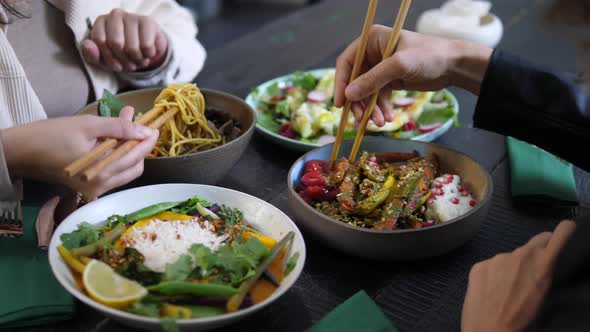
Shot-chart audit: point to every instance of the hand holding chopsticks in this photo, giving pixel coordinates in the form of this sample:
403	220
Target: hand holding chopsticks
85	162
391	45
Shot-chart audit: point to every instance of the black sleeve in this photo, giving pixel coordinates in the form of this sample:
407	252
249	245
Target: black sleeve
566	304
535	105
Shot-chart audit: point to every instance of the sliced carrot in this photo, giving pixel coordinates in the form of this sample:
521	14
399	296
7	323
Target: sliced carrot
278	264
276	267
262	290
269	242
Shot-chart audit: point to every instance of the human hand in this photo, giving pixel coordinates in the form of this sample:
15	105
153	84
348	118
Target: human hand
42	150
506	291
420	62
121	41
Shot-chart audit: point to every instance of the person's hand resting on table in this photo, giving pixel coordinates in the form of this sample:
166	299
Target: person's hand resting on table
506	291
42	149
121	41
420	62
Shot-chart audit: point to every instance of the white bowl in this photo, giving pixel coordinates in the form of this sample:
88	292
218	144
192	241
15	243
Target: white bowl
264	216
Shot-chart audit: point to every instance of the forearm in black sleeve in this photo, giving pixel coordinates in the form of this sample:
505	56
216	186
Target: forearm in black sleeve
534	105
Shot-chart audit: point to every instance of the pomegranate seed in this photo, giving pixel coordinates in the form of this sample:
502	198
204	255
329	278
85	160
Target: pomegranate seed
466	193
441	192
438	184
449	179
455	200
473	203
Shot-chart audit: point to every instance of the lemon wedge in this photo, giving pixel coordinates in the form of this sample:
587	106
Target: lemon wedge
105	286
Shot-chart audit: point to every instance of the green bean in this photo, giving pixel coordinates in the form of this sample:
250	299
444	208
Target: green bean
191	288
108	238
234	302
371	203
203	311
149	211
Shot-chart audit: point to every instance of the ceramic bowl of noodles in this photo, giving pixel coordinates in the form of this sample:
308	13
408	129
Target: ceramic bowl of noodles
399	199
193	148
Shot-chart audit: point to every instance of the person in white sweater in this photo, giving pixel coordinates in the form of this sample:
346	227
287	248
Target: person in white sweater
58	55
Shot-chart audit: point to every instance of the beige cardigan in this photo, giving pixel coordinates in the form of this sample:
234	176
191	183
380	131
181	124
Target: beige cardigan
20	105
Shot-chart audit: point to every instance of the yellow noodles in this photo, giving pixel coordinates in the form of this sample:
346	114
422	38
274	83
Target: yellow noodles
188	131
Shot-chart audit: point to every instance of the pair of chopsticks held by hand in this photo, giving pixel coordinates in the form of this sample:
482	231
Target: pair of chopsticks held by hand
358	61
88	162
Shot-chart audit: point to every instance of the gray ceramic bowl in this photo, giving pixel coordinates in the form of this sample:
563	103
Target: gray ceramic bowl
396	244
206	167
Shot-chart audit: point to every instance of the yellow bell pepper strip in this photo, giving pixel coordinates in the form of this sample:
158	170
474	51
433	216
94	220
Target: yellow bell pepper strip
72	262
175	311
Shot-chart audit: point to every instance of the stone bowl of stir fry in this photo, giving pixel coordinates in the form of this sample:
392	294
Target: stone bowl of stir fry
177	256
399	200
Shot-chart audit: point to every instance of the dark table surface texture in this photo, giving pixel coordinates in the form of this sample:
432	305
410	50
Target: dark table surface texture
424	295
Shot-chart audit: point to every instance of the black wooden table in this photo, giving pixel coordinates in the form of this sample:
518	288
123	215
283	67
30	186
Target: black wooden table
418	296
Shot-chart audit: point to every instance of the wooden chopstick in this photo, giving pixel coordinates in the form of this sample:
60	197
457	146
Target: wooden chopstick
358	61
391	45
83	162
89	174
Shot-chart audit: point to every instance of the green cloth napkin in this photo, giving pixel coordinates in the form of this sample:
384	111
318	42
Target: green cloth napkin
30	293
538	176
358	313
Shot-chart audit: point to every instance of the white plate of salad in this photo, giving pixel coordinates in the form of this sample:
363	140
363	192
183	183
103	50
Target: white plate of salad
297	112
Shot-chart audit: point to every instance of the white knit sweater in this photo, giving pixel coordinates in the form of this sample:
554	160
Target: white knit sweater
20	105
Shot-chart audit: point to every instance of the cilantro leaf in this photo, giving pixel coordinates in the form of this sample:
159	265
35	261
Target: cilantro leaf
204	259
236	262
230	217
179	270
291	263
109	105
85	234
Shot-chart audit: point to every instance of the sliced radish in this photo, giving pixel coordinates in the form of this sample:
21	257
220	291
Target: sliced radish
288	88
326	139
429	128
404	102
317	96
